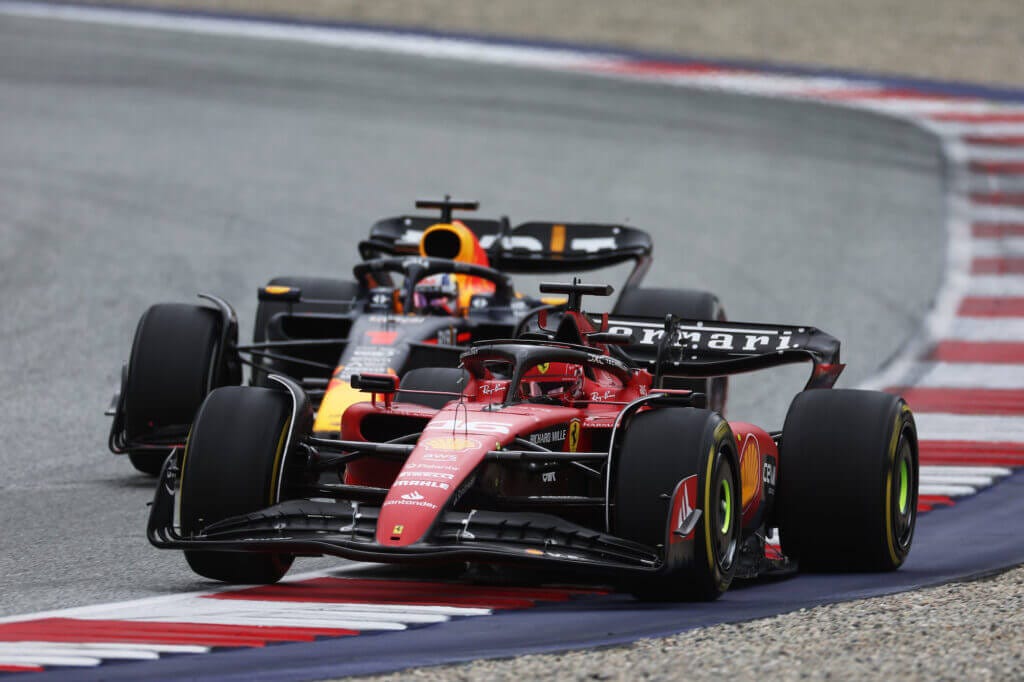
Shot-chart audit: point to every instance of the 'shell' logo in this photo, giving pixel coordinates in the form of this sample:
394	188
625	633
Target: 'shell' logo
451	444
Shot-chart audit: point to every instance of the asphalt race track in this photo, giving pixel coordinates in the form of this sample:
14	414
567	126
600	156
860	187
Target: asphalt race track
140	166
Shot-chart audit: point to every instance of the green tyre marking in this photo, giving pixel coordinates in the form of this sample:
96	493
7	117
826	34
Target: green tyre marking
904	485
727	501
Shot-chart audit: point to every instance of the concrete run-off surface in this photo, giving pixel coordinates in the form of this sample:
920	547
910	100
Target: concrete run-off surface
978	41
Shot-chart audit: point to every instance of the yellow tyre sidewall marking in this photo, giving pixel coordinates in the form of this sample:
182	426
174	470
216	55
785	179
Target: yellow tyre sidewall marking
181	478
707	509
893	443
719	434
278	455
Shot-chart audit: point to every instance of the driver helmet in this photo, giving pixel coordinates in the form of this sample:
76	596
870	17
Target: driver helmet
437	293
553	380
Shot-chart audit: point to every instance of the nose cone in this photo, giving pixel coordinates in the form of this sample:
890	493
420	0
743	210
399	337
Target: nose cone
436	468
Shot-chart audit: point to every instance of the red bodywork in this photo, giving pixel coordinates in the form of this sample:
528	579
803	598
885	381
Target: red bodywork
456	439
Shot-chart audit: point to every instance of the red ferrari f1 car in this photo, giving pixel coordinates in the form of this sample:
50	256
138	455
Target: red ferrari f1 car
560	447
454	289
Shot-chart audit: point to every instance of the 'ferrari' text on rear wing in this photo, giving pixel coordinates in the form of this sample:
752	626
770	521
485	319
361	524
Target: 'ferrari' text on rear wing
704	348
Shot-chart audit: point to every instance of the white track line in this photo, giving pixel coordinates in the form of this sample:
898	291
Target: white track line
956	128
974	477
996	285
102	611
947	490
46	649
991	248
396	612
987	329
942	470
297	620
993	213
969	375
1006	184
911	106
973	481
750	83
983	428
70	661
989	153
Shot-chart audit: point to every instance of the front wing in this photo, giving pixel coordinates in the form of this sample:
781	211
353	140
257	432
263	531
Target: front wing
347	529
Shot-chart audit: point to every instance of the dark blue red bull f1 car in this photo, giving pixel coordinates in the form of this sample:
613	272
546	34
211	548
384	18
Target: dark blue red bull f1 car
426	288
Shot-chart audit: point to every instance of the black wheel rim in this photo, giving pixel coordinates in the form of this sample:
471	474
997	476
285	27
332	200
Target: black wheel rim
724	514
904	494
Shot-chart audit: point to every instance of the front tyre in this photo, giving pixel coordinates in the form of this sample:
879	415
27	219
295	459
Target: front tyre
171	369
848	481
232	465
660	451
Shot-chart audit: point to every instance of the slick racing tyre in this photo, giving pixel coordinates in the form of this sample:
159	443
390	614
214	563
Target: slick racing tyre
691	304
448	379
321	288
848	481
231	466
660	450
170	371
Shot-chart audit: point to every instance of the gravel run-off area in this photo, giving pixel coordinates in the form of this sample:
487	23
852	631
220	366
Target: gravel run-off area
956	632
966	631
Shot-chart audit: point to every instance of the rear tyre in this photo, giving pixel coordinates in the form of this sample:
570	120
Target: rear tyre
147	461
691	304
231	466
170	371
324	288
659	450
848	481
449	379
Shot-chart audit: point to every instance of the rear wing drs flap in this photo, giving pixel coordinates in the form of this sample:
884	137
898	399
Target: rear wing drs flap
705	348
533	247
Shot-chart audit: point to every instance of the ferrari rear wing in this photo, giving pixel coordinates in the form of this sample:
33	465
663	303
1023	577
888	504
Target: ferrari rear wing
705	348
529	248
